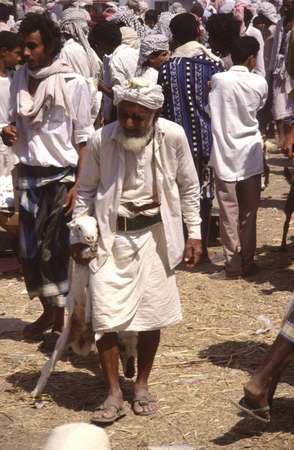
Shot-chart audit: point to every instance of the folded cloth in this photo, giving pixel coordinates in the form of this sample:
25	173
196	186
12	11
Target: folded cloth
135	290
141	91
50	92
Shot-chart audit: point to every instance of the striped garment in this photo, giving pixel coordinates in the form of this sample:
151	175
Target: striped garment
44	235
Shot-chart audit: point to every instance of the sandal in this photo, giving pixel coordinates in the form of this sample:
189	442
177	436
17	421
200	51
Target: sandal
35	331
261	414
143	400
108	406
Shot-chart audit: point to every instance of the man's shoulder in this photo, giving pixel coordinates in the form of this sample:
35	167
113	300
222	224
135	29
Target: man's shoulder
74	79
221	77
170	129
231	78
124	51
71	45
197	61
105	133
258	78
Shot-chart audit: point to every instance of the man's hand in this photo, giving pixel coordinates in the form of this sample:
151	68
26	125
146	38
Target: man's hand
69	202
193	252
103	87
76	251
9	135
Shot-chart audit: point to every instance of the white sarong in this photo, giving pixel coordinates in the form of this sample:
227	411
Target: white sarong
135	290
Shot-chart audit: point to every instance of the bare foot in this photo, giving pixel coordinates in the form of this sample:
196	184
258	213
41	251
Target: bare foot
110	410
143	404
255	395
36	329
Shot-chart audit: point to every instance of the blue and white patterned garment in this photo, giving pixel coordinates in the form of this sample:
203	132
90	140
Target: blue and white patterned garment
185	83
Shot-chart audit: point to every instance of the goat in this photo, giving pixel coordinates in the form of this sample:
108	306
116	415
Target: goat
77	436
78	333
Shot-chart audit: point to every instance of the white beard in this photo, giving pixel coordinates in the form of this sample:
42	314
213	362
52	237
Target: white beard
134	144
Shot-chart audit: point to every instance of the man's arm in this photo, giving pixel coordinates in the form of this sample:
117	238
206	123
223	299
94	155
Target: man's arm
189	189
83	129
263	93
71	195
88	181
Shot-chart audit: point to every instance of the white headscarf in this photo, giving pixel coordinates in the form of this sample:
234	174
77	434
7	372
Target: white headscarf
177	8
129	37
74	22
150	44
50	92
140	91
227	7
269	11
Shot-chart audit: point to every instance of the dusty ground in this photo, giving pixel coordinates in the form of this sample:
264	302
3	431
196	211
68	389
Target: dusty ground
200	367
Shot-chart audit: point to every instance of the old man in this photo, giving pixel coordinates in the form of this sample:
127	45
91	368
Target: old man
139	181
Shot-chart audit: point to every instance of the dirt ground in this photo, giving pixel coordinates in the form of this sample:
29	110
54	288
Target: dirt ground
200	367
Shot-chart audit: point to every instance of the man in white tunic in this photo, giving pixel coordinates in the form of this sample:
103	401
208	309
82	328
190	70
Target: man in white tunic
139	180
78	53
119	61
49	128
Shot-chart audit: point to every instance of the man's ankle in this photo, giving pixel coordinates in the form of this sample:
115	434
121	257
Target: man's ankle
115	392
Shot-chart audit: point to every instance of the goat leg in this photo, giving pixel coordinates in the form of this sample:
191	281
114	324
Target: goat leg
61	345
283	247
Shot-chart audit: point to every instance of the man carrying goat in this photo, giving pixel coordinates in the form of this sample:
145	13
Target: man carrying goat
138	180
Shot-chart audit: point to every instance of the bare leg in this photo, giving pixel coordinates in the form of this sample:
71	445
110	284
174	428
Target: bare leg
50	339
289	140
148	342
205	212
260	388
58	319
276	378
109	358
285	232
43	323
281	132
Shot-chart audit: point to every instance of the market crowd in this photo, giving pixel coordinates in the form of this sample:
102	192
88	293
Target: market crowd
141	120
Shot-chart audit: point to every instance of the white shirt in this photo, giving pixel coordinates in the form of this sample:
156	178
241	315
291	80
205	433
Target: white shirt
234	100
254	32
139	185
120	66
7	157
123	64
5	84
74	54
102	183
151	75
54	143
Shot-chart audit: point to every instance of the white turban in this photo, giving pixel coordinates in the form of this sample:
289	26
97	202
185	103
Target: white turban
177	8
75	15
141	91
74	22
269	11
227	7
129	37
150	44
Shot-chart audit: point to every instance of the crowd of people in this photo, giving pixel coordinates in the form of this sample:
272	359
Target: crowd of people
141	119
